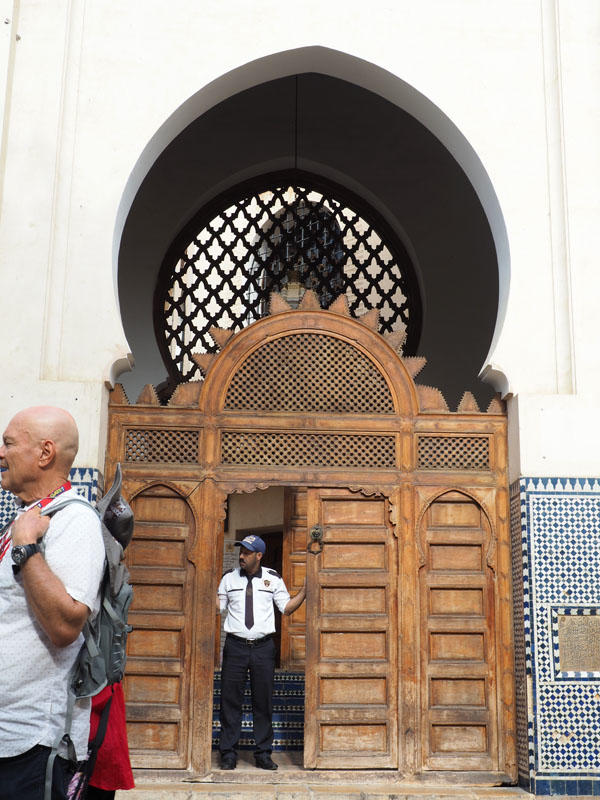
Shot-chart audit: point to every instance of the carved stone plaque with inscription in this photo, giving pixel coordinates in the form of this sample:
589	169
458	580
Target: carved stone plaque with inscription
579	643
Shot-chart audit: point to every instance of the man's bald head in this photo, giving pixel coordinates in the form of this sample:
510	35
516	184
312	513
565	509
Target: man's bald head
54	424
38	449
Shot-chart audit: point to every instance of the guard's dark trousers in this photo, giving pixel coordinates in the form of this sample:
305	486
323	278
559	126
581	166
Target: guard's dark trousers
239	659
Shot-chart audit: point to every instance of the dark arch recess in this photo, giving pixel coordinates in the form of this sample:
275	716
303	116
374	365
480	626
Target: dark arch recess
350	135
258	185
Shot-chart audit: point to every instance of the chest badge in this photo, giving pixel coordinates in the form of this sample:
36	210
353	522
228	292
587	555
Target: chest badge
267	583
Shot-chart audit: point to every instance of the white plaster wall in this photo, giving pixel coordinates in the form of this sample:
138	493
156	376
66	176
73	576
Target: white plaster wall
260	509
93	81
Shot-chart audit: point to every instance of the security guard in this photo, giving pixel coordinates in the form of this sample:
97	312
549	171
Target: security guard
247	595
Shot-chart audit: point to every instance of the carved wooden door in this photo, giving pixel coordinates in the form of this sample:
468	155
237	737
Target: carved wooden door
458	653
157	681
293	628
351	632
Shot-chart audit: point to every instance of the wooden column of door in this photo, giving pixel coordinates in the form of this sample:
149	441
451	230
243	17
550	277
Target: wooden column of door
351	670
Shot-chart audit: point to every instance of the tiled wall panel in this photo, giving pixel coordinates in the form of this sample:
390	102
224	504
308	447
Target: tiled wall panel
87	481
556	571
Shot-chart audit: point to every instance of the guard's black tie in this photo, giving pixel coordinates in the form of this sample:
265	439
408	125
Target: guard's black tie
249	611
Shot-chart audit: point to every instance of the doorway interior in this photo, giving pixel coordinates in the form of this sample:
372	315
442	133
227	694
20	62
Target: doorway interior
263	512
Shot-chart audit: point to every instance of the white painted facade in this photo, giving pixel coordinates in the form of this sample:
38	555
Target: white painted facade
94	91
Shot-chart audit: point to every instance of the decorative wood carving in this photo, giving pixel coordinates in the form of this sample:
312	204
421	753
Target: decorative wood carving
414	364
246	487
148	396
340	306
382	490
309	302
204	360
186	395
496	406
117	396
159	486
431	399
468	404
220	335
370	319
277	305
395	339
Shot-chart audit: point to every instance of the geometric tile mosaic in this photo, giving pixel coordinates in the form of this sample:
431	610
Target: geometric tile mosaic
559	573
519	633
288	713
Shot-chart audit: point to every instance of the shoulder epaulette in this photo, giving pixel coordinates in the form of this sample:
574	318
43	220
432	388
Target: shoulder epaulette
273	572
227	571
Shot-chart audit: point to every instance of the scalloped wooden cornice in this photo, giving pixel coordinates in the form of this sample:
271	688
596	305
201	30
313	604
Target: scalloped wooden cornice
496	406
309	302
340	306
117	396
431	399
370	319
468	404
186	395
414	364
395	339
148	396
220	335
277	305
204	360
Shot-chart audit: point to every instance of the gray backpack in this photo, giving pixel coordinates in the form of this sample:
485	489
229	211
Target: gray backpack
101	660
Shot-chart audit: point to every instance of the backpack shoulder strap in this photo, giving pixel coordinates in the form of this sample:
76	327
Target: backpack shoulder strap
63	502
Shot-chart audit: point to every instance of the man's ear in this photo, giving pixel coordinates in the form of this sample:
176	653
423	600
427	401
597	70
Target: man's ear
48	453
260	555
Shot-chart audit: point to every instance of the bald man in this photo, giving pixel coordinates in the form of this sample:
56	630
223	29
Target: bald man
50	573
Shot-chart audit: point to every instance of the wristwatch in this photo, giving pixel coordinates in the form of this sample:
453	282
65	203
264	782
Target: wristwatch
21	552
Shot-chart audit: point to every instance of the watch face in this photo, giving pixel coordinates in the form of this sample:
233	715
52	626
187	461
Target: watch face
19	554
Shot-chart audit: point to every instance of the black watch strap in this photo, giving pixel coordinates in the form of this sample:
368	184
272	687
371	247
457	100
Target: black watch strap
30	549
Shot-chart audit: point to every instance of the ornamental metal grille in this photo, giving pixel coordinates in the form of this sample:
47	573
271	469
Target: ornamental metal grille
453	452
309	372
314	450
279	236
172	446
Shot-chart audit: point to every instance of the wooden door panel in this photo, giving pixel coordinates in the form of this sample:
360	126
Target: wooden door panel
293	628
156	682
351	674
460	726
465	602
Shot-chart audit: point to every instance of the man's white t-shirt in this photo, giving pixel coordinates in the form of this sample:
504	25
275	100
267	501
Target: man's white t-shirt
33	671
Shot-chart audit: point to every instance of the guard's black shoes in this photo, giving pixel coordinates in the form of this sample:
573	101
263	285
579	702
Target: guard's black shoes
228	761
264	761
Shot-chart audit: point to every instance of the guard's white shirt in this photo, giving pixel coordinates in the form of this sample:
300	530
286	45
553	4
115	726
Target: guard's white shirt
267	588
33	672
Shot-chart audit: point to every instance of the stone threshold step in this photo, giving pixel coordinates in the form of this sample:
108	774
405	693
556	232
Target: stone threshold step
306	791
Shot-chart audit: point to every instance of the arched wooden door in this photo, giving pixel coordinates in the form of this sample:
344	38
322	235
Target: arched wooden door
320	403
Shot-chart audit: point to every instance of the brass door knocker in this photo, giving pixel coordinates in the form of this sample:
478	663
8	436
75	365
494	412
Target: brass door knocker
316	537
